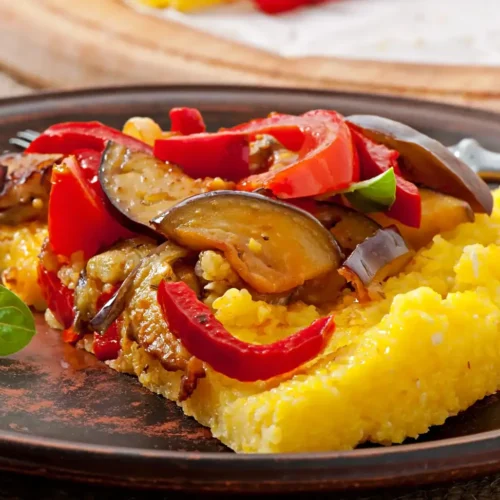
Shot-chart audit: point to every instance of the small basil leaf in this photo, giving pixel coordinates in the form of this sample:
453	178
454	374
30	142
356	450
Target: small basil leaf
17	324
373	195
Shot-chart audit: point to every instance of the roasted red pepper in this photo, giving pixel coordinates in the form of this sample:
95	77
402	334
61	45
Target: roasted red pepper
59	298
225	154
278	6
186	121
68	137
206	338
375	159
107	346
327	159
283	128
78	217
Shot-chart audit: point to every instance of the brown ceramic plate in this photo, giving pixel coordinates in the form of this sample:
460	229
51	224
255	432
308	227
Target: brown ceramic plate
64	414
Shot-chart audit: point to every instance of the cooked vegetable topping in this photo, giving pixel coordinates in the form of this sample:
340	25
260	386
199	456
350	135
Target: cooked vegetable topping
223	194
140	187
186	121
17	325
110	310
375	159
59	298
78	218
373	195
382	255
107	345
25	186
225	154
70	137
298	250
205	338
327	159
143	128
350	228
426	161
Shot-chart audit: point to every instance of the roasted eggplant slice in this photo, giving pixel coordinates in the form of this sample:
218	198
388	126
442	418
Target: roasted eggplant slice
426	161
141	187
383	255
272	245
440	213
322	291
25	186
168	252
350	228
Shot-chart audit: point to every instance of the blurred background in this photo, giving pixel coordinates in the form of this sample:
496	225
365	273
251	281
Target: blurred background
447	50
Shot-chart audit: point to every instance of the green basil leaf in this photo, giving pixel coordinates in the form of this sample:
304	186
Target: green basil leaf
17	324
373	195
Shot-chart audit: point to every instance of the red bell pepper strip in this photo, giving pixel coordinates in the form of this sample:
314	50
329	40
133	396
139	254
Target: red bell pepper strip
107	346
59	298
206	338
78	217
224	154
327	159
283	128
68	137
278	6
186	121
375	159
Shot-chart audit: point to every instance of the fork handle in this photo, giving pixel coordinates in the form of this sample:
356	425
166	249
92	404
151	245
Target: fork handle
484	162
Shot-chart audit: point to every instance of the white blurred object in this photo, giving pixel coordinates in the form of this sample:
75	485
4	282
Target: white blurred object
425	31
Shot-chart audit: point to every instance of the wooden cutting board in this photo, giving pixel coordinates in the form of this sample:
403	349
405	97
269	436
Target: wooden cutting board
71	44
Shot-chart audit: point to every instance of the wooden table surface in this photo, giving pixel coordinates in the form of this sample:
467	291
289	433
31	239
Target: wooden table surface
13	486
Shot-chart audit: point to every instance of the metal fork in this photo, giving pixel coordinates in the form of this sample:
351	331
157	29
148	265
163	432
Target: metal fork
24	138
482	161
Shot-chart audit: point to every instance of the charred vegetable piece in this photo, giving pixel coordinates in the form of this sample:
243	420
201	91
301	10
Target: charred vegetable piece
426	161
140	187
272	245
111	310
350	228
383	255
440	213
107	345
321	291
25	186
206	338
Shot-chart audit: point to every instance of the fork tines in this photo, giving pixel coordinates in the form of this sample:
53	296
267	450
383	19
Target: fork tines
24	138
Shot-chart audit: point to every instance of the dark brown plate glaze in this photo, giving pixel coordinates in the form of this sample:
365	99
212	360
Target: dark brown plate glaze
64	414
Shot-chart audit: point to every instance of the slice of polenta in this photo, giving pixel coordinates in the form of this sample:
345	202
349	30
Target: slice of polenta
19	249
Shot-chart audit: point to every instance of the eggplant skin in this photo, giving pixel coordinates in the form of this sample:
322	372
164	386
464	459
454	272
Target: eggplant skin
426	161
379	257
273	246
139	187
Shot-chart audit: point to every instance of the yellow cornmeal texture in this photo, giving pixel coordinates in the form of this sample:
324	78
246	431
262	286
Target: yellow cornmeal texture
428	350
19	249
